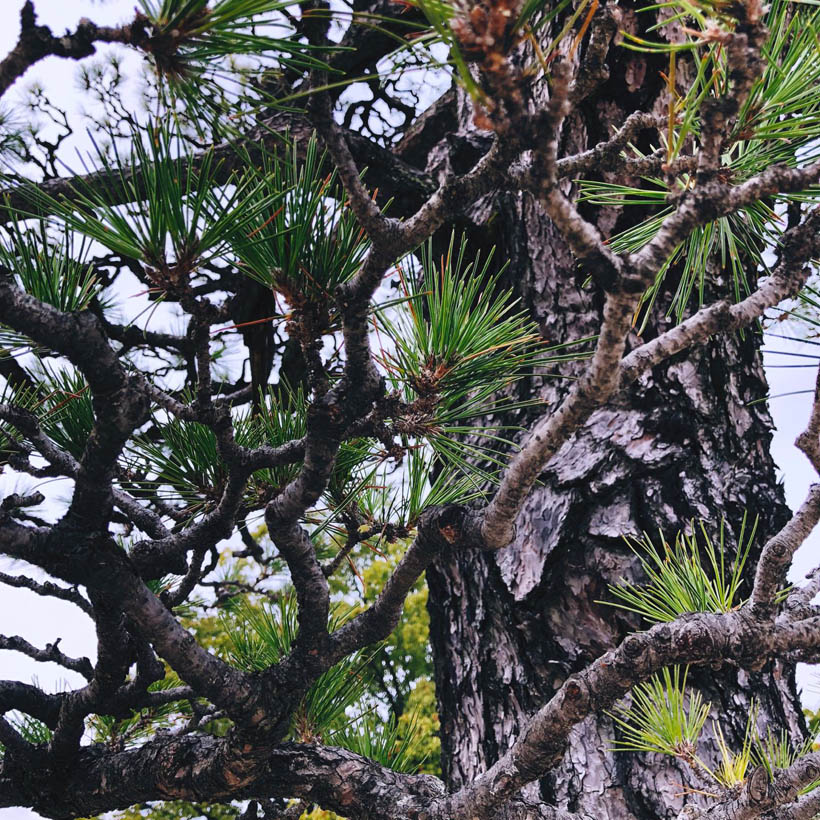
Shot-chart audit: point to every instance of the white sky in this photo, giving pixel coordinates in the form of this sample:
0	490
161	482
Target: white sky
41	620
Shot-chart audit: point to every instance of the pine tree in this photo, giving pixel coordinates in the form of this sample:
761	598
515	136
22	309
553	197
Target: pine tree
508	338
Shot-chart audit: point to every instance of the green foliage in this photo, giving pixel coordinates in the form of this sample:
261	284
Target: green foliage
701	14
331	711
51	270
189	34
403	666
387	700
260	636
813	722
775	750
456	340
184	464
459	342
385	498
179	216
778	123
662	717
733	765
458	336
31	729
186	460
282	417
439	14
421	720
678	580
388	742
62	406
309	243
780	120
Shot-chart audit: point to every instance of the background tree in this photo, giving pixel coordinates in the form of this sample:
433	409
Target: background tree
484	340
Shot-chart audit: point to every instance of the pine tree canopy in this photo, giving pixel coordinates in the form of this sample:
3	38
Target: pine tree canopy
281	335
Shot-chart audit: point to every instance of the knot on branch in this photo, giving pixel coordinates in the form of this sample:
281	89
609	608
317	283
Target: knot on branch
633	654
695	638
635	647
756	788
444	527
575	698
662	635
745	643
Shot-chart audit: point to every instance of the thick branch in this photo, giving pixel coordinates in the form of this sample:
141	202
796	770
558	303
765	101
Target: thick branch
197	767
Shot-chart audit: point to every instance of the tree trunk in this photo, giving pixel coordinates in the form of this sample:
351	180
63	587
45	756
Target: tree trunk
508	628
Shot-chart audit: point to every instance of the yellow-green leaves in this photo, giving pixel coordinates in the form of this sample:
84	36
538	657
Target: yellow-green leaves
662	717
691	575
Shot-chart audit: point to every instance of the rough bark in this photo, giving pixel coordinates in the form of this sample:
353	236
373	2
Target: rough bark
525	677
509	627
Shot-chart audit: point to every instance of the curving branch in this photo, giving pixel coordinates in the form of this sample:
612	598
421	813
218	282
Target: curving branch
762	796
778	552
36	42
603	375
51	654
48	590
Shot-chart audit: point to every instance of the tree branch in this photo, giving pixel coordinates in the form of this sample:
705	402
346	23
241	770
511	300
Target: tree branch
37	42
51	654
47	589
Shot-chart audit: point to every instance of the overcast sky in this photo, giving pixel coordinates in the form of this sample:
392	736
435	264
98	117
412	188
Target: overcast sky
41	620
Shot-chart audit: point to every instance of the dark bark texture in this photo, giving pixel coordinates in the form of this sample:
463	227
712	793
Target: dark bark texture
509	627
528	656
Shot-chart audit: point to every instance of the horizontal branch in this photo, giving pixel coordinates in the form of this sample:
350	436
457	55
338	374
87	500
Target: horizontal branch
762	794
708	202
397	181
608	155
29	699
47	589
51	654
36	42
197	767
